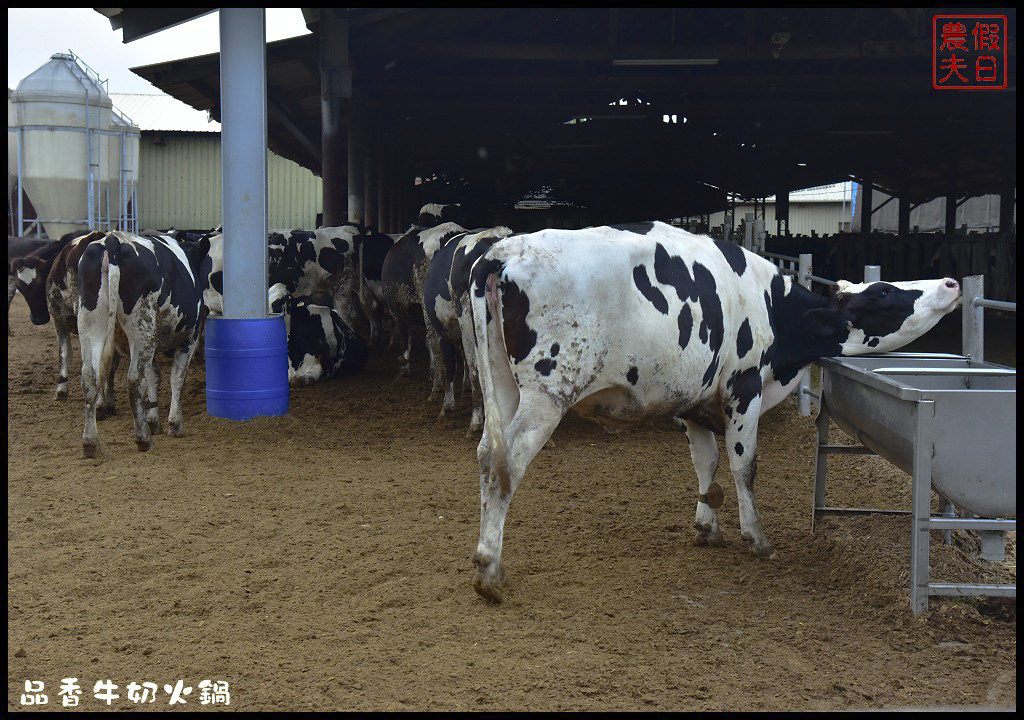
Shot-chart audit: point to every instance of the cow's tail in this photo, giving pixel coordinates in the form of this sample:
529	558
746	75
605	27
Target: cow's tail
500	392
111	272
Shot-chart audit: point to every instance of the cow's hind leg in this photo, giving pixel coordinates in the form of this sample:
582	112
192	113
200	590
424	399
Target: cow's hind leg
107	406
138	393
469	353
63	358
450	360
741	445
704	453
182	358
434	351
91	394
152	396
500	474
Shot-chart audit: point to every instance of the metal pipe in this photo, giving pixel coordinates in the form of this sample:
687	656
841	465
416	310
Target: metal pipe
994	304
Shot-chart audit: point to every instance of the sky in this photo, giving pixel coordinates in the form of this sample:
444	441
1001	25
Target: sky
33	35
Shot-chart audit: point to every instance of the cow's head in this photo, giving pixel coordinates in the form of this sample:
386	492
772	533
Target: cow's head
197	250
885	316
30	275
280	302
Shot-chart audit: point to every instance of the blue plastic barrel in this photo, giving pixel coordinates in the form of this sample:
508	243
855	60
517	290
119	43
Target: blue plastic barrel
246	367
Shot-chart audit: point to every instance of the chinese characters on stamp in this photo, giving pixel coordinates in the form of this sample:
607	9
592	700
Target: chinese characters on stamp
969	52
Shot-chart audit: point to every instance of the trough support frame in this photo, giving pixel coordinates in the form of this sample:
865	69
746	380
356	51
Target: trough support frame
922	521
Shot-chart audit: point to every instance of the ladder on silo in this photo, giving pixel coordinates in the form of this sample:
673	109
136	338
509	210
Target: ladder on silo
95	219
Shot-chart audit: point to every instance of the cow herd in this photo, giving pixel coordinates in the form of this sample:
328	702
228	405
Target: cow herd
619	323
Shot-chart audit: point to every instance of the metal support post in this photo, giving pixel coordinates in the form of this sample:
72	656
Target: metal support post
973	337
921	504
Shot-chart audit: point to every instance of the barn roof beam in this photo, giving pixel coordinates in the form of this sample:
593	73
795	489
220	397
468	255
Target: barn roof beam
805	50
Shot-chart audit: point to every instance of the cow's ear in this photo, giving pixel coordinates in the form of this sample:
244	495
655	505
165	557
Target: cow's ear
204	247
825	322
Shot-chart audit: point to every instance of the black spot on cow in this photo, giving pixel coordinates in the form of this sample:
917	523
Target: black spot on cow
331	260
554	350
90	276
633	375
463	263
733	255
685	323
401	260
872	342
878	310
739	448
480	272
744	339
713	324
545	366
217	281
745	386
671	270
805	328
515	305
374	247
653	294
641	228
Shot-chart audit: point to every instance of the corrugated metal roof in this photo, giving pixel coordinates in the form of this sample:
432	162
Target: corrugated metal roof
837	192
163	112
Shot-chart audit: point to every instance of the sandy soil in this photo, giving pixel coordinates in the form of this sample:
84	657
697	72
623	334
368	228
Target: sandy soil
321	561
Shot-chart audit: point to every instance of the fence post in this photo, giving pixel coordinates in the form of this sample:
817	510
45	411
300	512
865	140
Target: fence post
758	235
872	273
803	277
973	318
748	231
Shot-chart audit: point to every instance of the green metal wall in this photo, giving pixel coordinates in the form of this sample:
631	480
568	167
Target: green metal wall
179	185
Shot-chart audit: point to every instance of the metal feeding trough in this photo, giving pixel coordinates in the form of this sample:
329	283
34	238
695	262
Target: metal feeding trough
947	420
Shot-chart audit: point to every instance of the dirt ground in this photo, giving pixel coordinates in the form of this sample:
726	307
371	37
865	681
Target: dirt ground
321	561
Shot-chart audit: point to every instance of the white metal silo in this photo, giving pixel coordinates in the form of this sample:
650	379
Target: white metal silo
12	153
78	164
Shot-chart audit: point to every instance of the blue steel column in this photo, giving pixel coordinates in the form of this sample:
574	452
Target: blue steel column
246	350
243	102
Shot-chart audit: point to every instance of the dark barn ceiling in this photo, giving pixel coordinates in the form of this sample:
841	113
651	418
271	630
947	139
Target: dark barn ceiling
772	99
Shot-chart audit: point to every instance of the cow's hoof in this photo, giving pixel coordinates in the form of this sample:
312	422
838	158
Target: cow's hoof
102	413
708	536
488	581
145	445
90	449
759	548
61	395
175	430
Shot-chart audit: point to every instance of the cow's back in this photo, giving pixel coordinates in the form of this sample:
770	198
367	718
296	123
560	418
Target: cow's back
650	309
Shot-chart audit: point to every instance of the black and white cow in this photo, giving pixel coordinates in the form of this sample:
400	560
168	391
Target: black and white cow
371	249
318	264
19	247
138	295
632	322
320	344
49	282
446	304
402	278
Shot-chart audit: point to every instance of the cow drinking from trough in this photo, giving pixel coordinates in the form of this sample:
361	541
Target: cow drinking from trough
138	295
632	322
